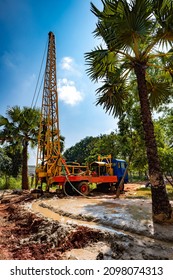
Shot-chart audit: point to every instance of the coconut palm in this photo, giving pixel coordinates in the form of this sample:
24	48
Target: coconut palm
133	34
20	128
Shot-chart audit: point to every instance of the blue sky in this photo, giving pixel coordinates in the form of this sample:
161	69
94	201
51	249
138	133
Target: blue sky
24	27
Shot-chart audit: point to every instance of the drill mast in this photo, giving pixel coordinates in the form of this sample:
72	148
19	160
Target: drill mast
48	154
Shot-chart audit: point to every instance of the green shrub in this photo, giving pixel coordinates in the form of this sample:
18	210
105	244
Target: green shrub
10	183
15	183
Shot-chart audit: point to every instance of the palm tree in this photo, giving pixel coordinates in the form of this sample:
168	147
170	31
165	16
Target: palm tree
20	128
133	32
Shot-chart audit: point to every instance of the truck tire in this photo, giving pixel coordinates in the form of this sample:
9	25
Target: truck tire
83	188
68	189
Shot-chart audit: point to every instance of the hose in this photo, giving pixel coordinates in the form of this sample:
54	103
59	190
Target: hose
74	187
67	180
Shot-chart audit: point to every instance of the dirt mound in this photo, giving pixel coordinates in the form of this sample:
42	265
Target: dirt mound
25	235
79	238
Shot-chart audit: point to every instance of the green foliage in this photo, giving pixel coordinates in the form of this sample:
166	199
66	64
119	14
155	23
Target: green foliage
164	126
15	154
11	183
5	163
80	151
104	145
20	125
19	129
9	168
132	32
128	141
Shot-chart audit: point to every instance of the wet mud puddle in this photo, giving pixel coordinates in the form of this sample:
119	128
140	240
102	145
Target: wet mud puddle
123	217
50	214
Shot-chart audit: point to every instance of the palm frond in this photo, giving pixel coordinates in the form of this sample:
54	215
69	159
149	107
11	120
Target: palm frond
3	121
132	31
109	8
19	124
95	11
13	113
160	92
131	22
112	97
163	62
100	62
163	11
167	61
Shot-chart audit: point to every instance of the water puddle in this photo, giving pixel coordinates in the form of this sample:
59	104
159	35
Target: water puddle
106	215
48	213
57	217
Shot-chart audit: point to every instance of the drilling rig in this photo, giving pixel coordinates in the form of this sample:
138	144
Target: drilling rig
49	161
51	168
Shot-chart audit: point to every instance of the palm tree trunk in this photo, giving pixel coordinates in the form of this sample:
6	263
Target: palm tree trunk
25	184
161	207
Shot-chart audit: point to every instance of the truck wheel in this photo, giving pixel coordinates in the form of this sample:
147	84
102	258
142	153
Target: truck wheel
68	189
83	188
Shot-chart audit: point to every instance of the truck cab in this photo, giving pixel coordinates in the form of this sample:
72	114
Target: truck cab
119	167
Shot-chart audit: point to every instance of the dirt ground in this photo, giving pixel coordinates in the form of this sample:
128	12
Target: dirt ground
56	227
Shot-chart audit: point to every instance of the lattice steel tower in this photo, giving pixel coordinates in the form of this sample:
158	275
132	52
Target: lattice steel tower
48	155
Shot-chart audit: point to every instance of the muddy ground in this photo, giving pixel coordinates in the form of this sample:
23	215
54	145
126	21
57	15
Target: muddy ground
56	227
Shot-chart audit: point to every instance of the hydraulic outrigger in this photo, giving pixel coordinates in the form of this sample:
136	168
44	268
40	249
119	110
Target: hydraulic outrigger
51	168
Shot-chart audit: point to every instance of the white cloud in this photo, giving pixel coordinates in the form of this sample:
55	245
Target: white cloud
67	63
68	92
70	67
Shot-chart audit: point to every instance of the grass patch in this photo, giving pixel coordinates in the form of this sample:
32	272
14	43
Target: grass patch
10	183
92	186
141	193
145	193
